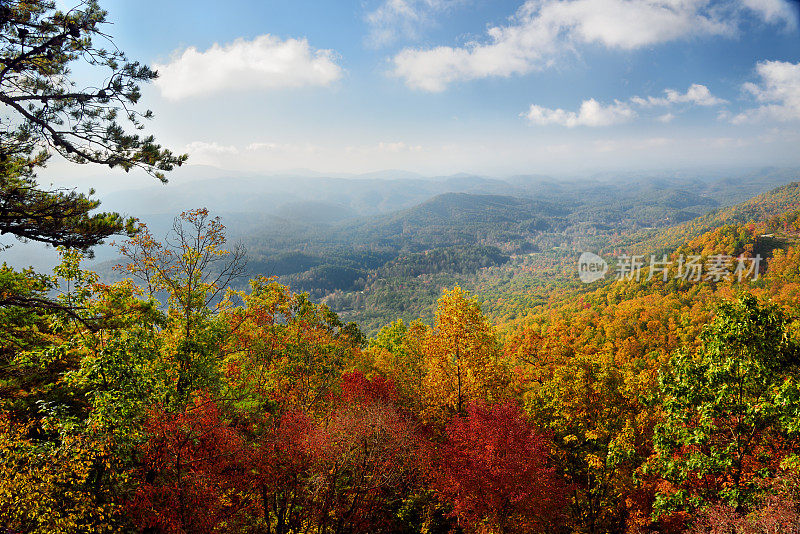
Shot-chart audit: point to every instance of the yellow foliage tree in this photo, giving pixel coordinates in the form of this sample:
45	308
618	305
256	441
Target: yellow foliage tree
462	357
284	349
54	487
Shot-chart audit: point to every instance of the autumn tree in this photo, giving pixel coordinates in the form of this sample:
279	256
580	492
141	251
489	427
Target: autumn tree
366	458
344	470
285	353
281	463
462	360
75	404
191	270
730	409
397	354
194	472
494	470
775	510
56	486
600	422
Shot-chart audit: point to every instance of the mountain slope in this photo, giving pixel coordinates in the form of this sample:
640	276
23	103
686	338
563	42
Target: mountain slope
759	208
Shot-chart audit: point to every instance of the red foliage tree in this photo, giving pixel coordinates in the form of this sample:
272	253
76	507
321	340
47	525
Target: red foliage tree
357	388
366	459
342	471
494	472
282	468
193	472
777	510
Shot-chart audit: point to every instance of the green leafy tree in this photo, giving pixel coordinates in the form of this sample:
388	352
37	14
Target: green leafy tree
730	409
73	403
39	343
192	270
600	431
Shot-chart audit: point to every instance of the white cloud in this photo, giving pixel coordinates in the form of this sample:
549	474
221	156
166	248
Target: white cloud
630	24
591	113
395	19
779	93
773	11
264	146
266	62
698	95
214	148
543	29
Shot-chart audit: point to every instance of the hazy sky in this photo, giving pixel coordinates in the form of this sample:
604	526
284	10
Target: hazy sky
490	86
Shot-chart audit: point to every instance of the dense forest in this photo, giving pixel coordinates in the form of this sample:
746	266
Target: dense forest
621	406
436	366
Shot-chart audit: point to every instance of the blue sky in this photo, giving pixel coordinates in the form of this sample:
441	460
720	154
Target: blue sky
494	87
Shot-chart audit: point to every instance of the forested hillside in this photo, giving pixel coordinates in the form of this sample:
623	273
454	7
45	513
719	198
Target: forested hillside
504	290
539	259
481	233
651	404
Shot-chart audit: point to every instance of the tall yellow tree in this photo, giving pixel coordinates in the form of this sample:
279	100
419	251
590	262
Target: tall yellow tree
192	270
462	357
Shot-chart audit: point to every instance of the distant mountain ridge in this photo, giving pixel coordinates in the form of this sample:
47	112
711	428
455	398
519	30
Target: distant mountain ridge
378	193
